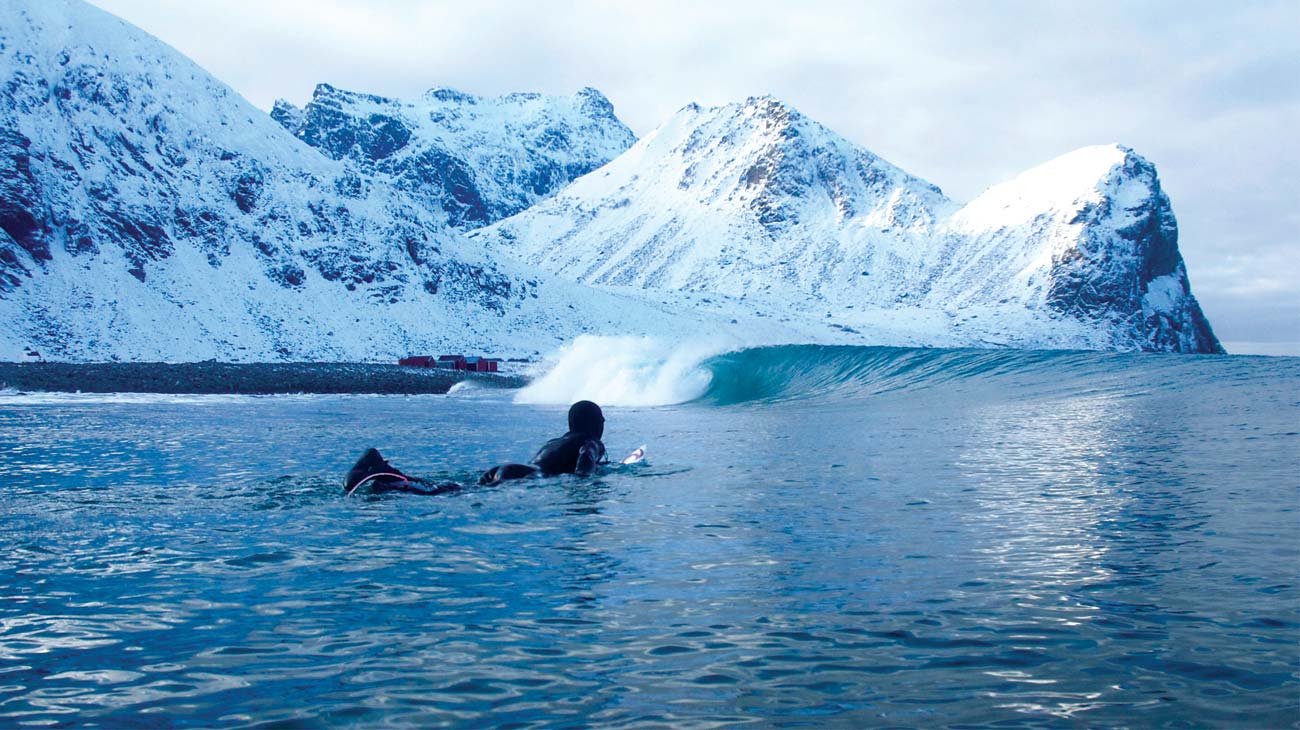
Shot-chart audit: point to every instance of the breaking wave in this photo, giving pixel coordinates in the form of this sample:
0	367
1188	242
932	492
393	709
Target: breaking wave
790	372
632	371
624	371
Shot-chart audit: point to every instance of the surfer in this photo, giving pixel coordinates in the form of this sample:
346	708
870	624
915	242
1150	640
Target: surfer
579	452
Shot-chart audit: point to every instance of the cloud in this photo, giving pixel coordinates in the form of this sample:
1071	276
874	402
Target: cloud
962	94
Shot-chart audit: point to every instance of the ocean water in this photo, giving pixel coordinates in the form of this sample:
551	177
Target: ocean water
820	537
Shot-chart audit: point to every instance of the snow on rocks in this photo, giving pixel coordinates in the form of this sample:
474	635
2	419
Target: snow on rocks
147	212
150	213
768	210
478	159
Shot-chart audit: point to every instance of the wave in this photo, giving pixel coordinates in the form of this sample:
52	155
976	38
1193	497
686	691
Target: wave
790	372
624	371
631	371
801	372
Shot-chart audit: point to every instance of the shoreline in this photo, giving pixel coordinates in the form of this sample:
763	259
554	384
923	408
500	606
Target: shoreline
240	378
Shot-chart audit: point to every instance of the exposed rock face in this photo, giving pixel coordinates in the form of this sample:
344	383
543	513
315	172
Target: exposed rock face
21	230
478	159
1127	268
1089	237
756	202
105	149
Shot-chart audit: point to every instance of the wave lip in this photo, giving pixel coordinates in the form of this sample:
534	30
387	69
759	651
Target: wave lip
797	372
624	371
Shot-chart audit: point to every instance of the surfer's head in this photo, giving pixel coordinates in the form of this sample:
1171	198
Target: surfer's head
585	417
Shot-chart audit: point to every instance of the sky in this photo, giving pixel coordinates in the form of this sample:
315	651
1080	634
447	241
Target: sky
963	94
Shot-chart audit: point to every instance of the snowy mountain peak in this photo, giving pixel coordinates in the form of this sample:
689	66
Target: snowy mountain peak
331	93
1066	182
595	102
147	211
477	159
286	114
785	166
776	112
448	95
743	198
754	200
1089	235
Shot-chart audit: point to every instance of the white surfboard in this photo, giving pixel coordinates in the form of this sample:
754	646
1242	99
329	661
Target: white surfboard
635	456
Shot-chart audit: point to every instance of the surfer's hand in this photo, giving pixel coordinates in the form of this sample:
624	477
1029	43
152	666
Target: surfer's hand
588	458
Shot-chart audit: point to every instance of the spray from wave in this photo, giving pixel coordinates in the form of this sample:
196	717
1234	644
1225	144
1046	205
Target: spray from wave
624	371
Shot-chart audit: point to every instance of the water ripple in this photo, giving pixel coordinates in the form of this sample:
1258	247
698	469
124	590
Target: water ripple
1110	558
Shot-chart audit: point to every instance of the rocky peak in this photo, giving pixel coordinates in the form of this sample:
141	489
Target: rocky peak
136	188
450	96
1124	264
1089	235
797	167
775	114
288	115
754	198
595	103
329	94
742	198
477	159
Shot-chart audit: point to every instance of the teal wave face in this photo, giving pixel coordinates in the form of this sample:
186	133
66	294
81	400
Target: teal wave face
799	372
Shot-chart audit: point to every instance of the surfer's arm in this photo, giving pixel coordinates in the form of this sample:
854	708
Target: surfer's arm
506	472
589	457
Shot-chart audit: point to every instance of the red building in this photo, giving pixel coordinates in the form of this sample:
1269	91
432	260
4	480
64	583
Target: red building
453	362
481	364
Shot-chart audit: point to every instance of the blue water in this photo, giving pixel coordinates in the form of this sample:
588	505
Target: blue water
828	537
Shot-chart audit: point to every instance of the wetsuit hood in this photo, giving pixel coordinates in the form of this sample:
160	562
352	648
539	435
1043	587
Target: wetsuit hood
585	417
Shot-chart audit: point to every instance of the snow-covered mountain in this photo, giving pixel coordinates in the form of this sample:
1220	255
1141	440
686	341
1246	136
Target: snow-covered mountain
746	198
1087	238
759	204
149	212
478	159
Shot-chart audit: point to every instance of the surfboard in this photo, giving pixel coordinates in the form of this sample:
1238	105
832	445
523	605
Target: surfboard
635	456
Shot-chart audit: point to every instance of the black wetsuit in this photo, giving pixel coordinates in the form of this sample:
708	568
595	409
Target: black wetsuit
373	469
573	453
579	451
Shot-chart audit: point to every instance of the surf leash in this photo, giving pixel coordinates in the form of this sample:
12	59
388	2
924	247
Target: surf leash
356	486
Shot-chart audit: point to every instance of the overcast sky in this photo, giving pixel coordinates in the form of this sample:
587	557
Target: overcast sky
963	94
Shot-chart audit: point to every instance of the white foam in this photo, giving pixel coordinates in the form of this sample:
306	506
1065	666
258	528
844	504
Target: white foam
472	389
9	397
624	371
